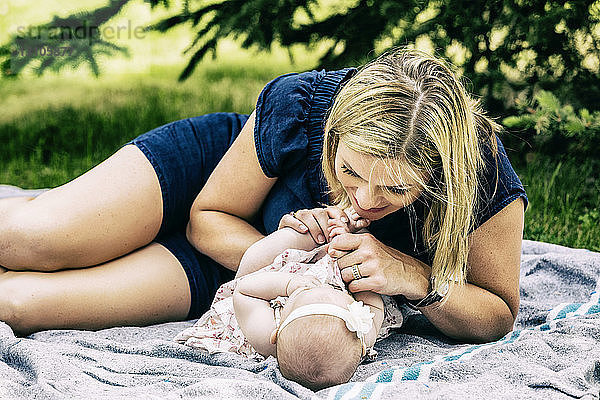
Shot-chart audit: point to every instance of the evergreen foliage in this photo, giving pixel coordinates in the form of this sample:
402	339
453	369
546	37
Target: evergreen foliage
554	128
503	47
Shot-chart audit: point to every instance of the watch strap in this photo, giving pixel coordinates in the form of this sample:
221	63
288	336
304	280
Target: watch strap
432	297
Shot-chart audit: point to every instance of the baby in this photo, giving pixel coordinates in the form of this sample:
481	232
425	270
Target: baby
296	309
306	319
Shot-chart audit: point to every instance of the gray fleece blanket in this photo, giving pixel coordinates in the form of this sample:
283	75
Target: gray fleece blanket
553	353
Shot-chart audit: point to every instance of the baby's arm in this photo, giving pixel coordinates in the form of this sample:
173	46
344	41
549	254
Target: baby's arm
263	252
253	311
374	301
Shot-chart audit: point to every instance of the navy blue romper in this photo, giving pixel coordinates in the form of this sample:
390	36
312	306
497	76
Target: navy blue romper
288	133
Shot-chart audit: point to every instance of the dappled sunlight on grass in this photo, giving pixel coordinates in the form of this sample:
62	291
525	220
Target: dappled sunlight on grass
56	127
147	50
238	78
61	170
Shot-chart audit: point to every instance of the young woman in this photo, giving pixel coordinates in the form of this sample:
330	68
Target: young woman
400	140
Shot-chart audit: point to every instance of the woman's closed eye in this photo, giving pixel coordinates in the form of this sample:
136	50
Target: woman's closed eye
348	171
394	190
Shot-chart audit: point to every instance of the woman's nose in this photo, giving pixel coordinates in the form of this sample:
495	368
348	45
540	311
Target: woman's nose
367	199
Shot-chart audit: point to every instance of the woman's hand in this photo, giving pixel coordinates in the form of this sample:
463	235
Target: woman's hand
375	267
315	221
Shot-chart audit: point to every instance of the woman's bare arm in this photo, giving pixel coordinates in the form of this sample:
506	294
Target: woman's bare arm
485	308
481	310
220	217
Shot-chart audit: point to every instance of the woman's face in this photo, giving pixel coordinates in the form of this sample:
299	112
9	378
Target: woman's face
353	170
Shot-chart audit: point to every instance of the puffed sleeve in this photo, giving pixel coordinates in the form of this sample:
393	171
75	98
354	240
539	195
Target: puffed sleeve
280	130
499	187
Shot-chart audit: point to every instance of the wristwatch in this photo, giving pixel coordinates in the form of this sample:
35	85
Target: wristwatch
435	296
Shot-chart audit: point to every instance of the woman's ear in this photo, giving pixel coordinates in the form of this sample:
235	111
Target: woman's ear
273	338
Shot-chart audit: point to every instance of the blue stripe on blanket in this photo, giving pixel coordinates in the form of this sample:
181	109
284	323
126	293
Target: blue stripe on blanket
567	309
421	371
366	391
354	391
385	376
412	373
342	391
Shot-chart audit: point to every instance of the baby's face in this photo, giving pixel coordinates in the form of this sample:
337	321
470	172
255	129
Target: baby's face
321	294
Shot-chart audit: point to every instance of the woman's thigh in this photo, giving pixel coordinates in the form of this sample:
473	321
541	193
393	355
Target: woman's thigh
143	191
144	287
109	211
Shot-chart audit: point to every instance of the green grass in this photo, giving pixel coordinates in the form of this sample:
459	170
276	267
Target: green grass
564	201
53	129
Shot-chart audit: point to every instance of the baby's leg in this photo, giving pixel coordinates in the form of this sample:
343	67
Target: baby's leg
146	286
107	212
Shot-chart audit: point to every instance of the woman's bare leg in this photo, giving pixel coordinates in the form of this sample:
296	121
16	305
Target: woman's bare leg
146	286
109	211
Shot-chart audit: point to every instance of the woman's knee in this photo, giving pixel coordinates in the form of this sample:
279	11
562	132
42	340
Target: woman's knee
29	241
17	303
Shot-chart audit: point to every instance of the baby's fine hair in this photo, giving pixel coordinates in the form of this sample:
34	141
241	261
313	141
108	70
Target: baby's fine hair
318	351
409	106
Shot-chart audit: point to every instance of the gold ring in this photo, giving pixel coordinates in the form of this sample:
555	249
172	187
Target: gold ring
356	272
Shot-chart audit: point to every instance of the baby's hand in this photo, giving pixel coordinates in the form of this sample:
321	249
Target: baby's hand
336	227
353	224
299	281
356	222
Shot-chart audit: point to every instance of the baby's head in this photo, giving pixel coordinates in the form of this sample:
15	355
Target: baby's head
318	350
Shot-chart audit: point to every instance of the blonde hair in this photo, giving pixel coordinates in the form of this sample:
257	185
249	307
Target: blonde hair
409	106
318	352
